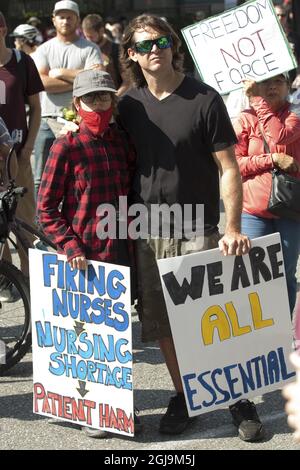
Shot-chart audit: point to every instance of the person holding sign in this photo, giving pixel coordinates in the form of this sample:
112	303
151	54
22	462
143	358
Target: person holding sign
84	170
183	136
269	137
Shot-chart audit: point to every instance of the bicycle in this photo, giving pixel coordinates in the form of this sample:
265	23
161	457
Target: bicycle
15	324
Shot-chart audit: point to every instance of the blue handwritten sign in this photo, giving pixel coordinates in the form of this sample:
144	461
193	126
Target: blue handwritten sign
82	342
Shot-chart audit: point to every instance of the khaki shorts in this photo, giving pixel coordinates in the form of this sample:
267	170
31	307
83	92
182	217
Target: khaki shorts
151	303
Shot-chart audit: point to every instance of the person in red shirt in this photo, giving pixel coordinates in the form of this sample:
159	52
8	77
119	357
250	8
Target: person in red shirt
273	117
84	170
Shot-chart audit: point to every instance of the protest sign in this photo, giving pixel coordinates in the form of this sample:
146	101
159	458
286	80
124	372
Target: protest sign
246	42
82	344
230	323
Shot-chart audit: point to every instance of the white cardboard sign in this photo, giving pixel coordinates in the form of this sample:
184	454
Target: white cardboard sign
230	323
246	42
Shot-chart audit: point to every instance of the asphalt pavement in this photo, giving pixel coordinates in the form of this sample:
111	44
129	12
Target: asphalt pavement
21	429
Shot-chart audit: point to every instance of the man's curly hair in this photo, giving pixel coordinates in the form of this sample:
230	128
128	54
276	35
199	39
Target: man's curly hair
144	21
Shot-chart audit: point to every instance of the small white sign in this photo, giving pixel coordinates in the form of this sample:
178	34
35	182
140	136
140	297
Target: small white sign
82	343
246	42
230	323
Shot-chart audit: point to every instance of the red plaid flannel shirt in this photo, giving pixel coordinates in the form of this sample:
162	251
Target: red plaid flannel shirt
82	172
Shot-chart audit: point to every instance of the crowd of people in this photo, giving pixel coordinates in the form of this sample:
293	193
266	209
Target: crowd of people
166	139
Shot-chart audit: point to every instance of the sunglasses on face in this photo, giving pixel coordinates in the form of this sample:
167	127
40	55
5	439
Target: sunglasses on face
163	42
90	98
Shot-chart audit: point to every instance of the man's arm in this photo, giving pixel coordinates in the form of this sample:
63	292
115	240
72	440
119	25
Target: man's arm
33	125
68	75
54	85
61	80
233	242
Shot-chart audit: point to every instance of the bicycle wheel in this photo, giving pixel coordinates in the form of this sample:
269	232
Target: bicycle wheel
15	327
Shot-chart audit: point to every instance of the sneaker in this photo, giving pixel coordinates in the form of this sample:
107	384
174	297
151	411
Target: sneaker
8	292
246	419
176	418
95	433
40	245
54	421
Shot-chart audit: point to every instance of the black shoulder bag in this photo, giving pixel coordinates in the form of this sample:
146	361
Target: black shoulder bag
284	198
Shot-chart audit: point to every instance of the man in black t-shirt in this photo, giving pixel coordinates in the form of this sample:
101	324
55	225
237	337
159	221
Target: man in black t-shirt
184	139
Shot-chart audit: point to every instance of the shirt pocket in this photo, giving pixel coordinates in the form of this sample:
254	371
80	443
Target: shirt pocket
81	182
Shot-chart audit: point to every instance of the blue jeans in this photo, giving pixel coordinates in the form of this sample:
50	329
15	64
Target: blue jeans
290	238
42	145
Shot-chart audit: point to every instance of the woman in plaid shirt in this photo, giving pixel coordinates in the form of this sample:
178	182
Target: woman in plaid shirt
83	171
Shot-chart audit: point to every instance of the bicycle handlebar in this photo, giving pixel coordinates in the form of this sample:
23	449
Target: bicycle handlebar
12	193
13	190
20	191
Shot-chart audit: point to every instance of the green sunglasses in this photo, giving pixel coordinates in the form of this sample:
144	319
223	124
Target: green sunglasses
164	42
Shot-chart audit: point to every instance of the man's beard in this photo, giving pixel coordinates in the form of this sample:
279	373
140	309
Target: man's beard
67	31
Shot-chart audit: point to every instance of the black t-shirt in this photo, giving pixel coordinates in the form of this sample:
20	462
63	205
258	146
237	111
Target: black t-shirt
174	140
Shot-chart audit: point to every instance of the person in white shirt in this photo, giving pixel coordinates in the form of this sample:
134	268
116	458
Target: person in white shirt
58	61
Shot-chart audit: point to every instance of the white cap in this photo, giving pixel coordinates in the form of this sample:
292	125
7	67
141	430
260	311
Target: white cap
25	31
66	5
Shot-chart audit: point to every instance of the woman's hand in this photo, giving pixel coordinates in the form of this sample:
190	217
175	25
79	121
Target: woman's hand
79	262
251	88
285	162
70	126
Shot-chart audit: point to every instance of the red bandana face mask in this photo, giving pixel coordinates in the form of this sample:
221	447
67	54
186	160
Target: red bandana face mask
96	121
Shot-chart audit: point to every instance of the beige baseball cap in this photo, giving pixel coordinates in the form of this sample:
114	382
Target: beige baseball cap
89	81
66	5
